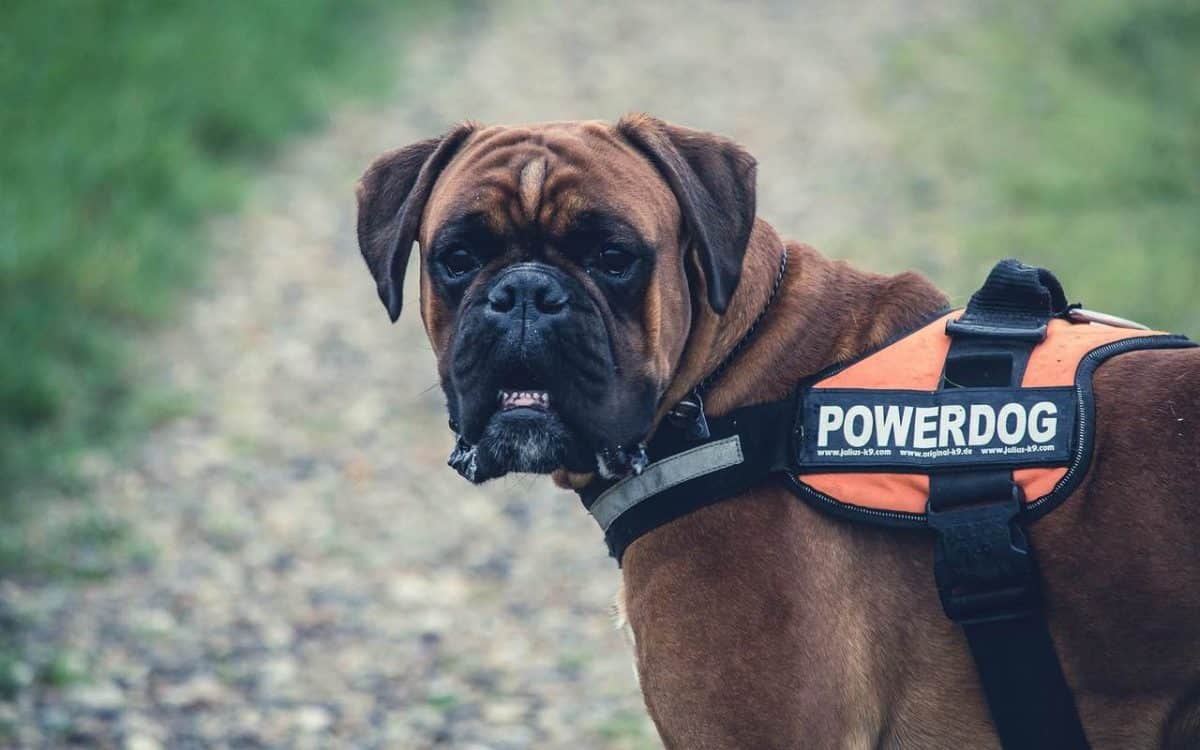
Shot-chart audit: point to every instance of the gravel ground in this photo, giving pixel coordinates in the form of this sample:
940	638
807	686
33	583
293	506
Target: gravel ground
317	577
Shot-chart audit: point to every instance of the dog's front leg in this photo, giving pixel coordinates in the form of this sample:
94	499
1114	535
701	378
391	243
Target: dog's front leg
761	623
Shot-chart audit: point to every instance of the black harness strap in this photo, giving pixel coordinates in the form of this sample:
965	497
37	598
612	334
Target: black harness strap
985	570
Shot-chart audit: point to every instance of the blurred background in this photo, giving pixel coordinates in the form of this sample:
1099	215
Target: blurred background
224	515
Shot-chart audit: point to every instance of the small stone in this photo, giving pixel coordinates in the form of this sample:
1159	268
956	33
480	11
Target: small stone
203	690
277	677
100	698
88	731
312	719
277	635
424	717
55	720
513	735
504	712
154	622
141	742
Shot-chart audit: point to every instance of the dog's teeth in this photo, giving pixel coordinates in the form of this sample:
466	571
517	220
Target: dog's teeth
515	399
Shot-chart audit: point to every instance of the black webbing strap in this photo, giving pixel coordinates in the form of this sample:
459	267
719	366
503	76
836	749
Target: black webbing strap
986	573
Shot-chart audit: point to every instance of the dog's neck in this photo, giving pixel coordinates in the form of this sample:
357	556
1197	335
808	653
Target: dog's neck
824	312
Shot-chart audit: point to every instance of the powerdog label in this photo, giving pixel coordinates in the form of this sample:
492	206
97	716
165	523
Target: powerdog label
868	429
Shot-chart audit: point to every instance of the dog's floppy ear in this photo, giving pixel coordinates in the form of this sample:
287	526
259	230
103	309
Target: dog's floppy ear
391	198
713	179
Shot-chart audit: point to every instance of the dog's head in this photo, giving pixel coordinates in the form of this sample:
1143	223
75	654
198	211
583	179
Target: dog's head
562	265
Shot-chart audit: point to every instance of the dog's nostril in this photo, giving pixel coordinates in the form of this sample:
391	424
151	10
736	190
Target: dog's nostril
550	301
502	298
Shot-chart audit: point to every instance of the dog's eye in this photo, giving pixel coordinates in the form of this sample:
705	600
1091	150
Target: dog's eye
459	261
614	261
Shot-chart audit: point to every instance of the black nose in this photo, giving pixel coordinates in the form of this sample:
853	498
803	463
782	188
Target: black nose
524	292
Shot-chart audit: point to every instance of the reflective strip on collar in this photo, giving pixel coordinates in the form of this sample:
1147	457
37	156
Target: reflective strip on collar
664	474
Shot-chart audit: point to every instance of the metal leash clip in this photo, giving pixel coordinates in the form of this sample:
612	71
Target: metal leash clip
688	415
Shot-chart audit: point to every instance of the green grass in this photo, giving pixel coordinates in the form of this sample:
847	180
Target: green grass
1064	133
125	123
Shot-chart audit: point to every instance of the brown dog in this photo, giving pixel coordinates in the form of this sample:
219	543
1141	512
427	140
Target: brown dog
579	278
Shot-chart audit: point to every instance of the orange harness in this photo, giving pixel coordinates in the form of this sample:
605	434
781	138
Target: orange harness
972	426
915	363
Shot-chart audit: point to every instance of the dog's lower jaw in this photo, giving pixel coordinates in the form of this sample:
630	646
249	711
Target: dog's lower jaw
540	453
490	459
527	441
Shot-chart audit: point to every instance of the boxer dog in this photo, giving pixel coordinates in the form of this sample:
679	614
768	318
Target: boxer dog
579	278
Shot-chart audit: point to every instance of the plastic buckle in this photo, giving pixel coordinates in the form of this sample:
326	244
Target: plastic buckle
983	566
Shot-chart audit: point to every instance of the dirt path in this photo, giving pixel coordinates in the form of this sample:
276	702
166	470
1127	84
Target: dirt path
319	578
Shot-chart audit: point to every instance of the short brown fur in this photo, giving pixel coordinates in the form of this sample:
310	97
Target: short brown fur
761	623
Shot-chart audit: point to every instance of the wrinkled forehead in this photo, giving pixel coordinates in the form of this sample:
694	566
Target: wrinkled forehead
547	177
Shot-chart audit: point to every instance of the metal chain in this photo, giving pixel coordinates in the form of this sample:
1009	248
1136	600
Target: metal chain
748	337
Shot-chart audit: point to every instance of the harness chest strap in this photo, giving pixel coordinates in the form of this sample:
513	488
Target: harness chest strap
986	574
971	426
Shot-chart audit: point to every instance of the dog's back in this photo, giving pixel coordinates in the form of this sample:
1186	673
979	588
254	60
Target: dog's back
1121	557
